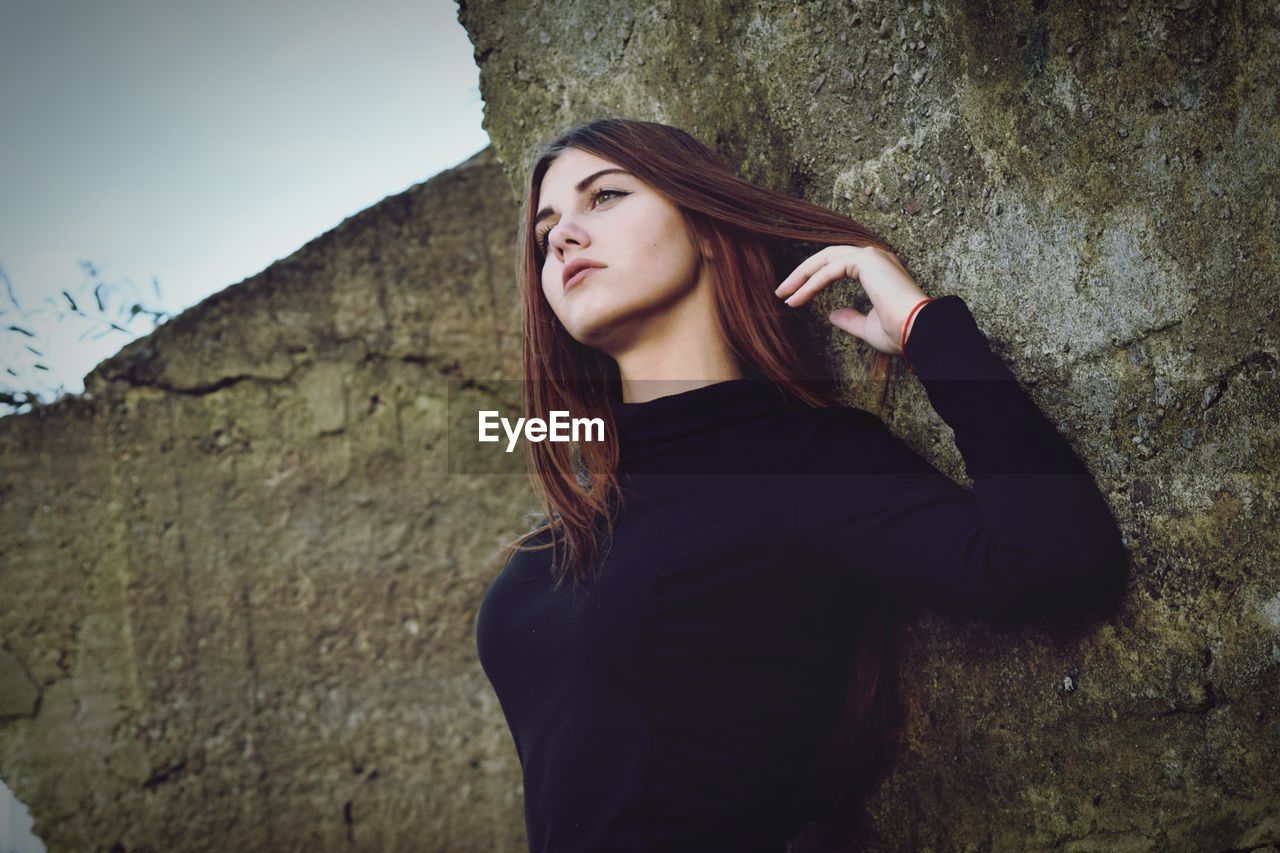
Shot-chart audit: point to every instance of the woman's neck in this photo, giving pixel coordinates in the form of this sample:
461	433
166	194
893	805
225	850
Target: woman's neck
681	348
669	364
643	390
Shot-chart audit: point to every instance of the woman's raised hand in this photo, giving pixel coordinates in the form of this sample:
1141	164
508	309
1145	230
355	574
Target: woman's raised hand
892	290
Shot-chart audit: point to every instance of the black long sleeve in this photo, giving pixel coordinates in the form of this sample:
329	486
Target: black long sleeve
676	703
1034	532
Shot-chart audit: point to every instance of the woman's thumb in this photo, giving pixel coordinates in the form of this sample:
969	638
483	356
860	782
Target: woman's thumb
851	320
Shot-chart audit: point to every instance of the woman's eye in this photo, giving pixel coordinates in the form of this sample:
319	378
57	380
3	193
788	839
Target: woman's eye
542	235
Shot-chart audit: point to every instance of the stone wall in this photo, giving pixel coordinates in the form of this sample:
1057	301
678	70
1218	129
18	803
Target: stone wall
241	575
1099	182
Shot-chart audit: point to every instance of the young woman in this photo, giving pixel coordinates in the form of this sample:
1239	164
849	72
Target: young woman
716	673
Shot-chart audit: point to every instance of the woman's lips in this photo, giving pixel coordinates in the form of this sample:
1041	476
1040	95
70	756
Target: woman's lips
577	277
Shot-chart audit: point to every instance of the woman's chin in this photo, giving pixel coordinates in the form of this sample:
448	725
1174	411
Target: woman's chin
598	330
592	335
599	320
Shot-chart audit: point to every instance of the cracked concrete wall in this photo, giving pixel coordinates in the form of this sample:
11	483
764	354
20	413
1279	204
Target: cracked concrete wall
240	577
1099	183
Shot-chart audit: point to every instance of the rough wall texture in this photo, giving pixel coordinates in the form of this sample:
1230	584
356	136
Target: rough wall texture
240	580
1099	183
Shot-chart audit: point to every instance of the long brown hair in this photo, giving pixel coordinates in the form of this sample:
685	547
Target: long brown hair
756	237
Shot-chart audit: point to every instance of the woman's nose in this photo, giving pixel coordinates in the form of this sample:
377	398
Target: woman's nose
567	233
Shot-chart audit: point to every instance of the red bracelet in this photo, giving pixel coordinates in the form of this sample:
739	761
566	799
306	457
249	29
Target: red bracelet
903	345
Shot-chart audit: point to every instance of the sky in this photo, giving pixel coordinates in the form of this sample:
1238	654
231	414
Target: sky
190	145
160	151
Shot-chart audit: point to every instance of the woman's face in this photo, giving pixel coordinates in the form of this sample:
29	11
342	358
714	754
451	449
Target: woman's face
648	258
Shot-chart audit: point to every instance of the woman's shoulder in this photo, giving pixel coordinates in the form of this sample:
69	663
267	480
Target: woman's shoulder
849	439
834	424
841	417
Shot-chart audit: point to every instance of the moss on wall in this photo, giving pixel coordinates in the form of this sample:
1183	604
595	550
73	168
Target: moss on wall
1099	183
240	573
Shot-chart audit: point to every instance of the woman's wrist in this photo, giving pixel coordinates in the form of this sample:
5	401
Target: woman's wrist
911	318
910	324
906	329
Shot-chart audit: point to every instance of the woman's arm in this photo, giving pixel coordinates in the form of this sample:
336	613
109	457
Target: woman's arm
1034	530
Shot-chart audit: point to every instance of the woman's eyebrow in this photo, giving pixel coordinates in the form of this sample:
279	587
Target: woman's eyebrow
581	185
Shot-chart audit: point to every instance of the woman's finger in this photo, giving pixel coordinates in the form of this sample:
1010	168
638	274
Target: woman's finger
826	275
808	267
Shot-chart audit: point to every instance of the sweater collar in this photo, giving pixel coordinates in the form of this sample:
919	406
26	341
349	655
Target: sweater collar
697	410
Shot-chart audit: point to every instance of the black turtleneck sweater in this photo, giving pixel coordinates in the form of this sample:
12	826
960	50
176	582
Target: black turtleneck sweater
674	704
